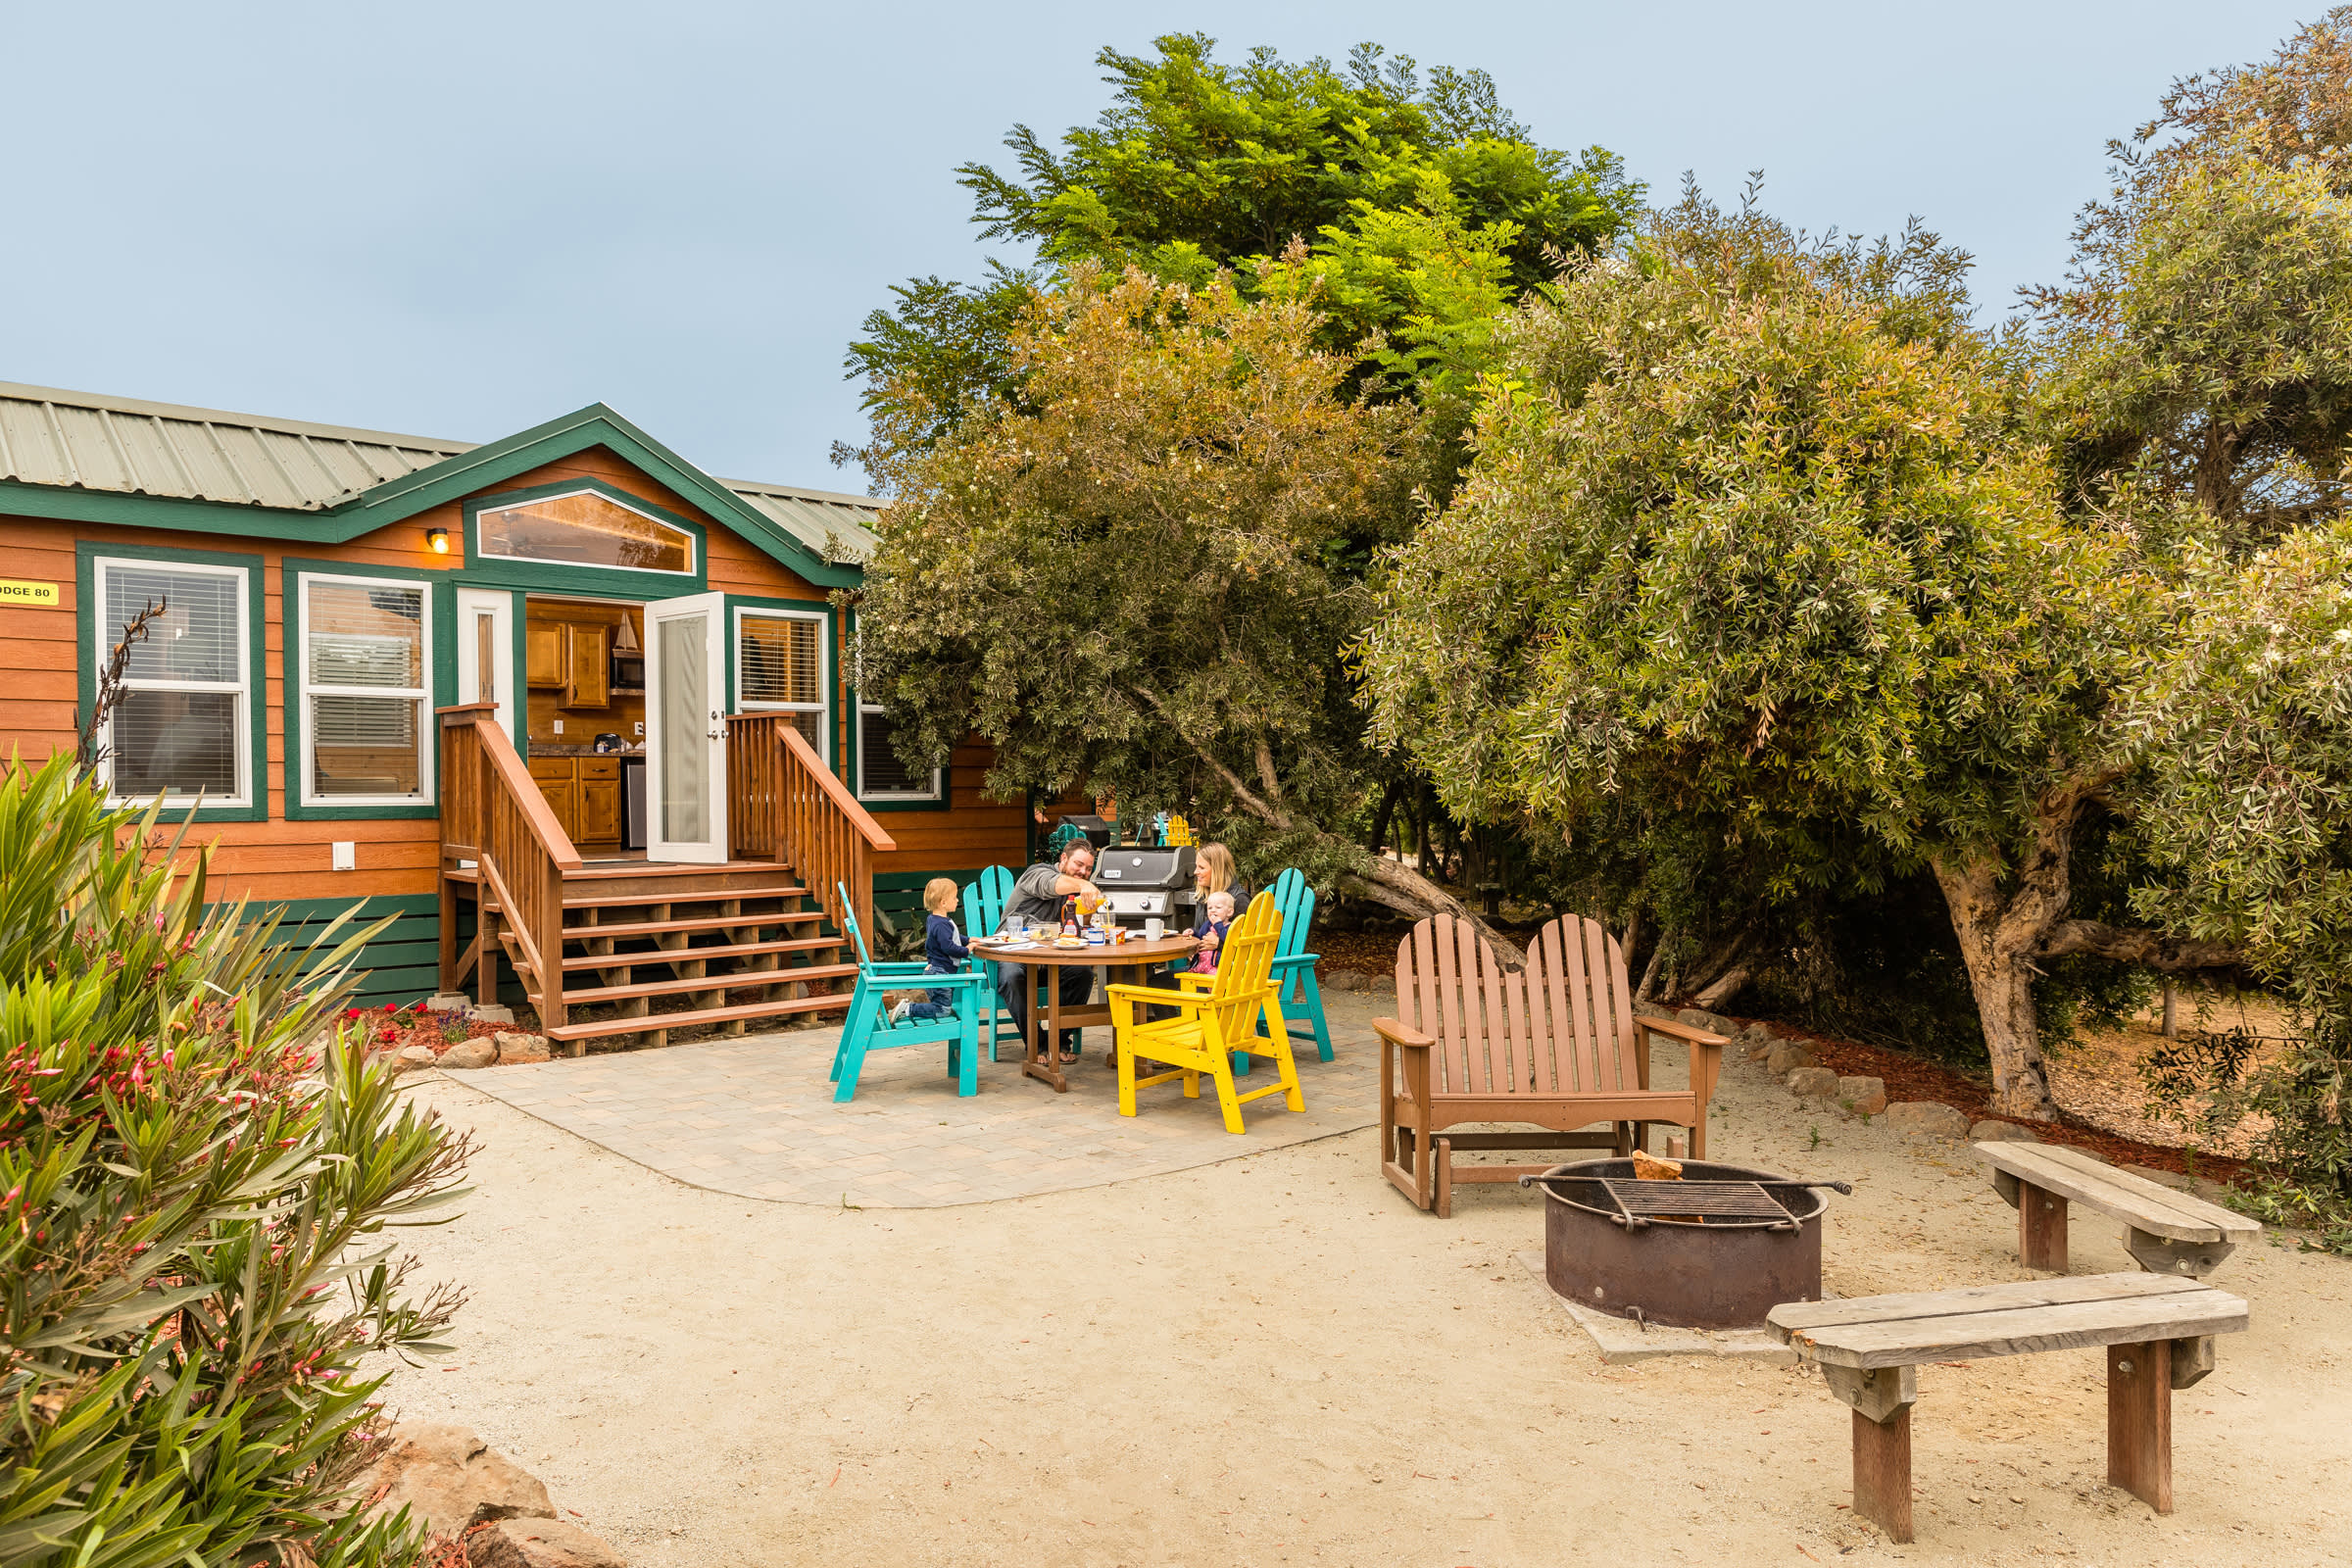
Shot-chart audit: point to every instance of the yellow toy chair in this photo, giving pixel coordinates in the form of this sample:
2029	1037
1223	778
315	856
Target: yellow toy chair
1216	1017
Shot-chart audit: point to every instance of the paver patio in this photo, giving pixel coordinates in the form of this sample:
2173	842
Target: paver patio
755	1116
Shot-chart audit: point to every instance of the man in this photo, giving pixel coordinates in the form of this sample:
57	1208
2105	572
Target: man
1036	895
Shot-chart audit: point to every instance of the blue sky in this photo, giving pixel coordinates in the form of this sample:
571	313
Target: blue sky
459	219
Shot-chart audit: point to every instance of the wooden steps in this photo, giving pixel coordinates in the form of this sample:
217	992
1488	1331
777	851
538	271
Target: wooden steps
734	980
676	919
733	949
612	900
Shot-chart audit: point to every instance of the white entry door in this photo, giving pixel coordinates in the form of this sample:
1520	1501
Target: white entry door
486	652
686	728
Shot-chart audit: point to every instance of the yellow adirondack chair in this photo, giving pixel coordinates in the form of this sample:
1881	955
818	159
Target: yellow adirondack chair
1210	1026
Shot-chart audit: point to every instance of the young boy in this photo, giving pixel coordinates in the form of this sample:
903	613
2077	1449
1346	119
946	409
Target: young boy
944	953
1219	920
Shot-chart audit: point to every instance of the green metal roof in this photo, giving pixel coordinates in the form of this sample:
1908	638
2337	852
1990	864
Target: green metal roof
124	446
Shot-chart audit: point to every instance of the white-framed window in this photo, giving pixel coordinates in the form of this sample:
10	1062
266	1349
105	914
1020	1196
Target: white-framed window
180	727
781	668
584	527
881	776
367	661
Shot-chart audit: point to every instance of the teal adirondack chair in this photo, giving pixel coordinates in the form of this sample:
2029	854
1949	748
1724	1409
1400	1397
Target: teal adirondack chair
983	911
868	1026
1295	969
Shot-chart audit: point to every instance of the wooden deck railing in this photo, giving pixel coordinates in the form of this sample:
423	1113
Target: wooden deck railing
783	803
493	814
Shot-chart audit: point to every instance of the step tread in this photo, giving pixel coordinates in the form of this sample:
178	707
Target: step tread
739	981
732	950
689	1020
700	922
611	899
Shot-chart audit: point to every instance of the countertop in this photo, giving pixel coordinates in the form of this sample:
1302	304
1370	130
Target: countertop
577	749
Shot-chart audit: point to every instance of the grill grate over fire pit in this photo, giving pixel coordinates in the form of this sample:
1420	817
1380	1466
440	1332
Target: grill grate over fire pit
1717	1249
1716	1202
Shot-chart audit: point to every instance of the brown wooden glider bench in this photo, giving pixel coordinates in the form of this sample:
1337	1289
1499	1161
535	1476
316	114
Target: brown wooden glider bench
1556	1045
2158	1330
2166	1232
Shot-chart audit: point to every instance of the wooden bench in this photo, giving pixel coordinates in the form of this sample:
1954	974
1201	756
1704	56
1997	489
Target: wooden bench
2158	1331
2166	1232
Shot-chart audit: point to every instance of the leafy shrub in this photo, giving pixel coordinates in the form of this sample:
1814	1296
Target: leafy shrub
196	1175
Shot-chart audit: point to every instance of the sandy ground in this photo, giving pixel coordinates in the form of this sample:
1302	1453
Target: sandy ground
1278	1360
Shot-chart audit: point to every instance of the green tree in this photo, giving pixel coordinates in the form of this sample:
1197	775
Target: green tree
1139	570
1424	204
2248	796
2200	357
1756	535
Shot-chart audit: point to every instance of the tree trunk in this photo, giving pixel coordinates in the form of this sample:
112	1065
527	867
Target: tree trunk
1996	936
1379	841
1732	982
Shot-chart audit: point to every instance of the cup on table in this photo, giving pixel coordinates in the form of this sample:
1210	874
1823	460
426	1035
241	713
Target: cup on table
1153	930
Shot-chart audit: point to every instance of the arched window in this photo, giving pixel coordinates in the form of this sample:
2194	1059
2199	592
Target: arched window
585	528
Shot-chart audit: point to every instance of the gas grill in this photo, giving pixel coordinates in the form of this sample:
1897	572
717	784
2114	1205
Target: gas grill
1148	884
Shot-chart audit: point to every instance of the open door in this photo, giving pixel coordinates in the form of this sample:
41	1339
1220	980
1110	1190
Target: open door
686	730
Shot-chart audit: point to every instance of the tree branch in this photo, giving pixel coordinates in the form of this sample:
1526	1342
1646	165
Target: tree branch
1271	816
2154	949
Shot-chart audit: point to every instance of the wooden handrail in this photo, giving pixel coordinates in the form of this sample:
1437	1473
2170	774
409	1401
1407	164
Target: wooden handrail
783	803
492	812
836	791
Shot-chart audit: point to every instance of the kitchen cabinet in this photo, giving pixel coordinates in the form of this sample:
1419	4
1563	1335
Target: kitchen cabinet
584	795
543	654
587	666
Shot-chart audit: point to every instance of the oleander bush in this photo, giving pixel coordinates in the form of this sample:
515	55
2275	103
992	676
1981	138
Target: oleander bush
197	1178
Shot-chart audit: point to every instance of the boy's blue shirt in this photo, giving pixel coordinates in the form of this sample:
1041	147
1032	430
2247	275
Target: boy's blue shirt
944	951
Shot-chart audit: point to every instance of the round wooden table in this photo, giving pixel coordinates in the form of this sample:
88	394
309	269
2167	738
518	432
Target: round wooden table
1124	963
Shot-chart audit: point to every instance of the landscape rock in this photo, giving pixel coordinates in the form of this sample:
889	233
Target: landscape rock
1863	1097
1785	1056
513	1048
2003	1132
448	1002
470	1053
1926	1118
413	1058
1812	1082
1713	1023
1340	980
450	1479
539	1544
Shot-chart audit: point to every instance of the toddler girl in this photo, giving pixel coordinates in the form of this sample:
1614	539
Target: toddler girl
1214	923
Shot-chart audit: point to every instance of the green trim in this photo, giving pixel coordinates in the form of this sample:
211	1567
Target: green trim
441	679
856	739
454	478
450	479
87	554
556	577
190	515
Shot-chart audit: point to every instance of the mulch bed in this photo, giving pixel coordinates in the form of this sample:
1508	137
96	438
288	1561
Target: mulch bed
389	1030
1911	1078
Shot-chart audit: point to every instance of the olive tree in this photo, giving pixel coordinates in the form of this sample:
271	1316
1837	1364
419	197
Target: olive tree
1756	532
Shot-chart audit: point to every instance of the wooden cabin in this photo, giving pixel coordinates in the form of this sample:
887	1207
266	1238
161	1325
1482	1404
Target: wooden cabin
583	719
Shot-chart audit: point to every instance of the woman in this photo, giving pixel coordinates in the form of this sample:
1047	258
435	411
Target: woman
1213	872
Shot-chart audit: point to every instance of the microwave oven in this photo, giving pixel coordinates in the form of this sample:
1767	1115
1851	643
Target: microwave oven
628	669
